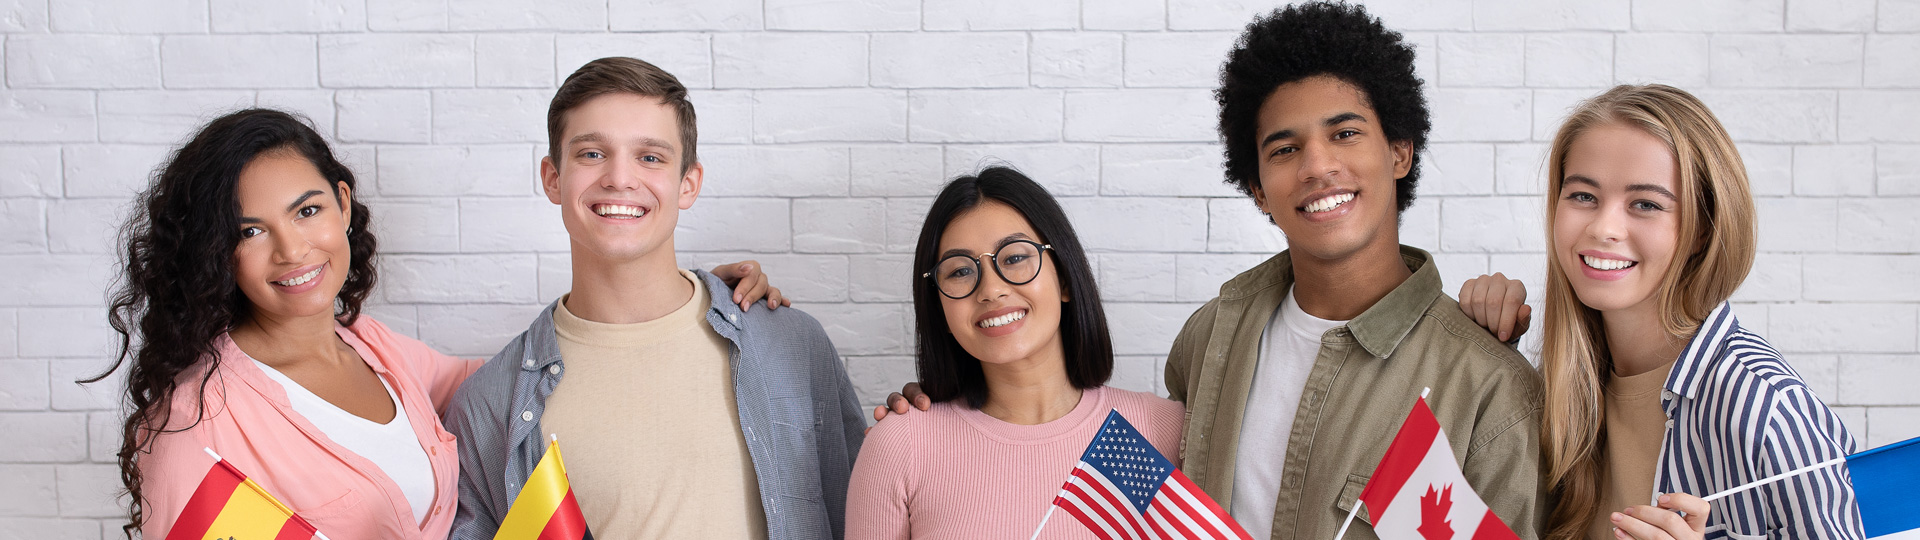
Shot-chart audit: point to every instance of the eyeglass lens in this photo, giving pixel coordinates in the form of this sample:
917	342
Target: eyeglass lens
1017	262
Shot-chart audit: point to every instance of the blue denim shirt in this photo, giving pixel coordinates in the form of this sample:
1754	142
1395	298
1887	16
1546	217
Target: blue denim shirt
797	410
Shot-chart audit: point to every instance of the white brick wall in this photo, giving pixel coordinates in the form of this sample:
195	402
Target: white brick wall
827	126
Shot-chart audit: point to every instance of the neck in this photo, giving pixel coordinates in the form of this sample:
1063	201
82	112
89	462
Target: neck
1031	391
626	292
1638	342
282	341
1341	289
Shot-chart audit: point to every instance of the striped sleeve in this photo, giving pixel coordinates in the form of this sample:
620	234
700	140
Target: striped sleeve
1802	431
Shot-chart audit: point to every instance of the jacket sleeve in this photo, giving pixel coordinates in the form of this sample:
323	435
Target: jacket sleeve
1503	461
1188	348
475	424
1818	505
839	451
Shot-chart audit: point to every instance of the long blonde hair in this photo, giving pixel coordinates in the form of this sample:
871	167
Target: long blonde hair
1714	253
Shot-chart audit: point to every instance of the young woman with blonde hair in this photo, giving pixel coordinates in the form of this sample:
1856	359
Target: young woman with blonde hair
1655	393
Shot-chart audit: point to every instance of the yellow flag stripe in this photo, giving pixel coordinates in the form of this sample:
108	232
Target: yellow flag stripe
538	499
249	513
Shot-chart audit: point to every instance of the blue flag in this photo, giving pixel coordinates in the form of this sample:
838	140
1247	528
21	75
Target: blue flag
1883	481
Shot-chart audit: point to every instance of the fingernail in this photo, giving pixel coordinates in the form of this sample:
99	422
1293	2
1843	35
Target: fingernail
1503	336
1665	499
1616	517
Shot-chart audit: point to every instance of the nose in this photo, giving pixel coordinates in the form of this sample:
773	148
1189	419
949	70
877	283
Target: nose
1608	225
992	284
1317	162
621	174
290	245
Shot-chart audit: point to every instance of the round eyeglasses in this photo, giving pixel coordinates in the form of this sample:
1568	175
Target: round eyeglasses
1017	262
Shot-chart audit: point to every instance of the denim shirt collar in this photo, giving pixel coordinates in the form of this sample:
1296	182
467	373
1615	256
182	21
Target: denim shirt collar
543	346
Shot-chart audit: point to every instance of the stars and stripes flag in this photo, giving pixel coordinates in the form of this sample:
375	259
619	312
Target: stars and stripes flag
1122	488
227	504
545	508
1418	492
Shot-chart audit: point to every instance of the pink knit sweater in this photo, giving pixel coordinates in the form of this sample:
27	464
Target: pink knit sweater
954	472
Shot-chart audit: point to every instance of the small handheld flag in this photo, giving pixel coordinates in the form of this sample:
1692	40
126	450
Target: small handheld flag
545	508
229	505
1883	480
1122	488
1418	492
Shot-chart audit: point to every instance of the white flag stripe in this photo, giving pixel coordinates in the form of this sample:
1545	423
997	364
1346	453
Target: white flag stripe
1075	500
1111	489
1160	518
1187	520
1909	534
1198	533
1198	507
1097	508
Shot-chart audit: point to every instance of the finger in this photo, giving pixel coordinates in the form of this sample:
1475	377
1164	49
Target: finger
1632	527
1466	297
896	403
879	413
1474	298
758	291
1526	321
923	402
775	299
1510	304
1695	508
1669	524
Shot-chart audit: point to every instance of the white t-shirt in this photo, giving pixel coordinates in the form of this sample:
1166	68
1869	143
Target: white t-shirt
1288	349
391	446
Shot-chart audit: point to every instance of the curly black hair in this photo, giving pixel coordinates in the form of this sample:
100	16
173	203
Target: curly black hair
1319	38
177	292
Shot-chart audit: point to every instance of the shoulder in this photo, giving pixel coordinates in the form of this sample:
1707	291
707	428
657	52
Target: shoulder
1455	335
491	386
1148	407
1748	372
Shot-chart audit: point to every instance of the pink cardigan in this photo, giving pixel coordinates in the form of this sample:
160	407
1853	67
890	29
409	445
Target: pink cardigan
954	472
249	422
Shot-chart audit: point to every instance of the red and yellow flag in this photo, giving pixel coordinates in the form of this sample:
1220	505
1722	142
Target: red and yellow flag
229	505
545	509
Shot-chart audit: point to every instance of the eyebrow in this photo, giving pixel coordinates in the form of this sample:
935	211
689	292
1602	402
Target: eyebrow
296	204
1002	243
1647	188
598	138
1329	122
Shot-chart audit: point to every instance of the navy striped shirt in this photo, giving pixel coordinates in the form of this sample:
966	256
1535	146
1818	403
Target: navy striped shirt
1738	413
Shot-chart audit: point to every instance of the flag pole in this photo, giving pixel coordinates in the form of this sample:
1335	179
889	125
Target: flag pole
1776	478
1349	521
1043	521
216	457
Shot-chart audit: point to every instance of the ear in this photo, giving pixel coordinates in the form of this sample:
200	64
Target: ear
550	179
344	193
690	183
1402	158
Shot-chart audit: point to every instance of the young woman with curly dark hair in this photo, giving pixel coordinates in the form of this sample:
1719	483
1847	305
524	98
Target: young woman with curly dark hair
239	312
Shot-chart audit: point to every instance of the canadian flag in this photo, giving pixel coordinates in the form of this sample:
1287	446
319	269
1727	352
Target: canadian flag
1418	492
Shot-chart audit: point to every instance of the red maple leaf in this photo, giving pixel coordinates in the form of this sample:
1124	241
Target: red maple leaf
1433	514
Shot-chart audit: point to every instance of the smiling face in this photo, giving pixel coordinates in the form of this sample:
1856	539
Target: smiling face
1001	323
1327	170
293	254
1615	225
619	178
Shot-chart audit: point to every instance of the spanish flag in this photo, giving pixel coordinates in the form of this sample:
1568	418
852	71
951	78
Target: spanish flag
229	505
545	509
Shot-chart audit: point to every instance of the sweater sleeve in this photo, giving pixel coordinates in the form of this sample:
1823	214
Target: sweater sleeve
877	494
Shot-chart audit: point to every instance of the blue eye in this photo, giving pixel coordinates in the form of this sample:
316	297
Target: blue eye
592	154
650	159
1647	206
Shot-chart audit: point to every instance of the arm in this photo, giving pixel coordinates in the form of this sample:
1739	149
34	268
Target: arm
474	519
750	285
839	448
169	475
1189	346
877	494
1820	504
1503	458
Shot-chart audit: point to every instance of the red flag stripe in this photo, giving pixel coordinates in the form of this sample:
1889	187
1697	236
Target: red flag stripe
1491	528
1215	513
1097	508
207	501
567	522
1184	527
1404	454
1186	507
1108	490
1073	507
295	529
1158	522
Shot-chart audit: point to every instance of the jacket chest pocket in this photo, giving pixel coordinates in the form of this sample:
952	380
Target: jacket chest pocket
795	448
1350	496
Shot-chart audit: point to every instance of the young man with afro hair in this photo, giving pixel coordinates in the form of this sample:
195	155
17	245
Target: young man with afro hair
1299	374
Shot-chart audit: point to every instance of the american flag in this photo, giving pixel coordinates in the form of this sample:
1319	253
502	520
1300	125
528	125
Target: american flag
1124	489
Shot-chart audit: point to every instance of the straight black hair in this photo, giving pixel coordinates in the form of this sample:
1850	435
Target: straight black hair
948	371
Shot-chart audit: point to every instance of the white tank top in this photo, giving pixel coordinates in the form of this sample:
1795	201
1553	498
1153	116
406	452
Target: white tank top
391	446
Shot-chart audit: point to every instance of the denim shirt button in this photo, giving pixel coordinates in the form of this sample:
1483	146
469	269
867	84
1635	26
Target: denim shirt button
527	364
554	369
526	415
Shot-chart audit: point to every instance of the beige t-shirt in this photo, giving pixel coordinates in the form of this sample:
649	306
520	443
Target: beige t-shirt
647	416
1636	427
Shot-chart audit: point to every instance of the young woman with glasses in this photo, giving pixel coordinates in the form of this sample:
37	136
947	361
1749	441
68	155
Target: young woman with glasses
1013	351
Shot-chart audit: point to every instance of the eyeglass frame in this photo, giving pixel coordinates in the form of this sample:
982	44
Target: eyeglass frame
995	257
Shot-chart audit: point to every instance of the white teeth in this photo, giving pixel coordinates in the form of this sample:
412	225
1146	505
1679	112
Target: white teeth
1605	264
303	278
1328	203
619	210
1003	320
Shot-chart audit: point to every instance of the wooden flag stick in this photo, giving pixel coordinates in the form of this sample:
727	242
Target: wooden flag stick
1776	478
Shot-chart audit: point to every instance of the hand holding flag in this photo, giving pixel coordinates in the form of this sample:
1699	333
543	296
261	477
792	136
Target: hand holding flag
1122	488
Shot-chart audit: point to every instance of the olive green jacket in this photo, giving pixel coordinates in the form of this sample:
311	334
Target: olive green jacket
1364	381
